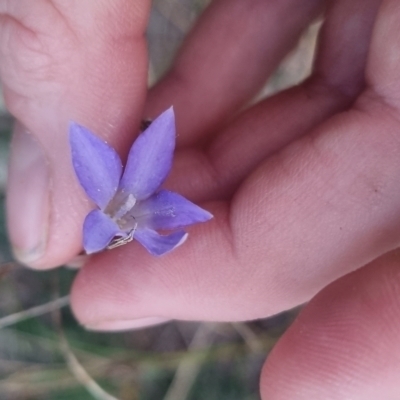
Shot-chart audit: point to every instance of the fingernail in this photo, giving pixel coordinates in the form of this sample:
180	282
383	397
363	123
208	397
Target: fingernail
77	262
27	196
126	324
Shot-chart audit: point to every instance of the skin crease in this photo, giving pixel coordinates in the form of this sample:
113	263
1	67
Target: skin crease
303	186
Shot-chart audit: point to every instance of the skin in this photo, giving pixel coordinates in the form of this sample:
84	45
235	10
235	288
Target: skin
304	186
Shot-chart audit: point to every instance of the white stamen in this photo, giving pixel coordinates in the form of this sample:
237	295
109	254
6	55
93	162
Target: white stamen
124	207
120	241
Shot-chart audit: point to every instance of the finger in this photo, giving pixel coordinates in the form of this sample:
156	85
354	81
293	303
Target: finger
383	74
226	59
337	79
60	62
345	343
325	205
345	44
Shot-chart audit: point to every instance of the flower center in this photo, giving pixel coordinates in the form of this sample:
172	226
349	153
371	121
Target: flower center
119	211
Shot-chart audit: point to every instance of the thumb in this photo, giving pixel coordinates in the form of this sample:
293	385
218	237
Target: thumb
61	61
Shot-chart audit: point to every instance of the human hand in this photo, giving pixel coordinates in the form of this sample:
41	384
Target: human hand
286	225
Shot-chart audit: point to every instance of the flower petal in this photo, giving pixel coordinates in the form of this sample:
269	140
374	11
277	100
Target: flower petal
150	157
97	165
98	231
157	244
169	210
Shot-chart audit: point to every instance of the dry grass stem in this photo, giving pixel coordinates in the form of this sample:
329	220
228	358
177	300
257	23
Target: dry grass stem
81	374
75	367
250	338
189	367
12	319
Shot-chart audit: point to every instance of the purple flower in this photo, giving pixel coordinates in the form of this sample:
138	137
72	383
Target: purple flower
131	204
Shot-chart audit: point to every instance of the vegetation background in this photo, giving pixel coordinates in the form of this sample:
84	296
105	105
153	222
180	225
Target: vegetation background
46	355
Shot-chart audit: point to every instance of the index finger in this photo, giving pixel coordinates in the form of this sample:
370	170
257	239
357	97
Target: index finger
325	205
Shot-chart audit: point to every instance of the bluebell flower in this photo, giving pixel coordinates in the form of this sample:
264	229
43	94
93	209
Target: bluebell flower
130	203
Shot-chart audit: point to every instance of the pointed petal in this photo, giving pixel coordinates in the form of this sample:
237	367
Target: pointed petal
150	157
157	244
97	165
169	210
98	231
